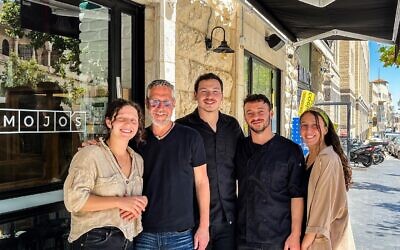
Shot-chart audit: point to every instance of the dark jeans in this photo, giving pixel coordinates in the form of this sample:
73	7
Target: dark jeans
166	241
102	238
222	237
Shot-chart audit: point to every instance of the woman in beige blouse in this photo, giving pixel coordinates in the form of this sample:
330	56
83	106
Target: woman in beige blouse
104	185
327	222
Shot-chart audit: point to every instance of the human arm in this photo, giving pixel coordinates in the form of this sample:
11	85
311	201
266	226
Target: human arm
81	181
297	191
297	208
201	236
308	240
322	185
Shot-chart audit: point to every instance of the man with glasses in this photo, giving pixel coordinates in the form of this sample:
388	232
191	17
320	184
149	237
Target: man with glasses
220	134
174	166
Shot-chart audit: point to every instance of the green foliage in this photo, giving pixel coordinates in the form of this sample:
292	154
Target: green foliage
75	92
37	39
67	48
18	72
9	17
387	56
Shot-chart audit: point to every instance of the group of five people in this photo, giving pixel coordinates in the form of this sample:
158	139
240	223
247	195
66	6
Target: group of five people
173	185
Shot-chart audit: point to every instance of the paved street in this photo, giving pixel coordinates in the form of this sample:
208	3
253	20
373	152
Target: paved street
375	205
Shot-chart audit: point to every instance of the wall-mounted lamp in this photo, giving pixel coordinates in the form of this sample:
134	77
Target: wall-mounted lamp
223	47
274	42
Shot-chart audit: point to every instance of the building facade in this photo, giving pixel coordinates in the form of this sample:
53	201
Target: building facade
73	57
381	103
354	72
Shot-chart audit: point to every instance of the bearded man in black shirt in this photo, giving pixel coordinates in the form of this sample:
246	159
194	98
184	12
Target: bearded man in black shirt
270	170
220	133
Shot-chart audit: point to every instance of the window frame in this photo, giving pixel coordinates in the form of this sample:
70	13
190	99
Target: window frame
275	90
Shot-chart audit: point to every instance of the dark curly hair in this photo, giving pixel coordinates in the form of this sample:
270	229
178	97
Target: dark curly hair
112	111
332	139
257	98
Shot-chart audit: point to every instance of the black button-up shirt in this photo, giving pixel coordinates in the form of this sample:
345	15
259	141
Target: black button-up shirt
269	176
220	149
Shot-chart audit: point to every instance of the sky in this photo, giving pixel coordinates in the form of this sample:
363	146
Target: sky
390	74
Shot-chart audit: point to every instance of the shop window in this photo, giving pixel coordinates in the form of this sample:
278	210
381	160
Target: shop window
263	78
5	48
49	105
53	95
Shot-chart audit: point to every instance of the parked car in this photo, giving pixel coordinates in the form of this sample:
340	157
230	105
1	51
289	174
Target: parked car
391	144
396	147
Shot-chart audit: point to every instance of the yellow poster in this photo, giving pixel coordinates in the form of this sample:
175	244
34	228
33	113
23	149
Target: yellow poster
306	101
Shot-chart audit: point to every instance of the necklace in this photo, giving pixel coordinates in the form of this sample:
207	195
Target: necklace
117	161
160	137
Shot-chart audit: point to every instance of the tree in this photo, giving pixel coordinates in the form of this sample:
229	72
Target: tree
66	48
18	72
9	17
387	56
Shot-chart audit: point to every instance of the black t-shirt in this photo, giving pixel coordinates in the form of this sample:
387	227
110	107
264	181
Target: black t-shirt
169	179
307	179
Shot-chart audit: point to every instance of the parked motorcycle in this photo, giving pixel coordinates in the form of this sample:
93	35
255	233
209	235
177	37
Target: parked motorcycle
378	155
362	154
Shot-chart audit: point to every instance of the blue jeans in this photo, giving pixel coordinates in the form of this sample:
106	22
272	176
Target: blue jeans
168	240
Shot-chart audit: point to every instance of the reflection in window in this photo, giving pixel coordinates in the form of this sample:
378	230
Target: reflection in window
262	79
126	55
53	89
25	51
5	47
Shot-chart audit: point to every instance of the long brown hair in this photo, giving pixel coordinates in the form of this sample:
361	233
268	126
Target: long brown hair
332	139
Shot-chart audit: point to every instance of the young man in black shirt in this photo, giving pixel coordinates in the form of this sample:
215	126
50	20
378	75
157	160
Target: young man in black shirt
220	133
270	170
174	165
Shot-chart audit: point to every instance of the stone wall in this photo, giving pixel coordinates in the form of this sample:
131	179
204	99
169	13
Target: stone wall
194	21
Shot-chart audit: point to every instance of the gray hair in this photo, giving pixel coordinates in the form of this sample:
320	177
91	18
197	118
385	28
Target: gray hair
160	82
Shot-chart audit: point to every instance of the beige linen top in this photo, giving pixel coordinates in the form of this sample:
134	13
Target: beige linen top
94	170
327	208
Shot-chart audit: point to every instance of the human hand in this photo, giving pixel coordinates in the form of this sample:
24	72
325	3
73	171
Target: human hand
87	143
201	238
292	242
131	207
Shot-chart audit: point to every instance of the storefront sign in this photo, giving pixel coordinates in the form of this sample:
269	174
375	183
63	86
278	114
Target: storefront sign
41	121
306	101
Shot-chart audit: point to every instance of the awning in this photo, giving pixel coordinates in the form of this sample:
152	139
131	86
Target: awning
376	20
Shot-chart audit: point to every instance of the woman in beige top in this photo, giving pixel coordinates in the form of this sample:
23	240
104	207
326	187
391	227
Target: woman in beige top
104	185
327	222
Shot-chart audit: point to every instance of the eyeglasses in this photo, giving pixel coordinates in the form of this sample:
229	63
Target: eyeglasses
154	103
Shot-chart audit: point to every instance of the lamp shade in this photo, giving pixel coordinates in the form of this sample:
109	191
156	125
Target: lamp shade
223	48
274	42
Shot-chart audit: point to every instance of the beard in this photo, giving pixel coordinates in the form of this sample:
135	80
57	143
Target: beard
260	129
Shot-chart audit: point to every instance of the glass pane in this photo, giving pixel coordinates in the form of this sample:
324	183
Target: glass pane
246	67
265	80
53	87
126	55
262	79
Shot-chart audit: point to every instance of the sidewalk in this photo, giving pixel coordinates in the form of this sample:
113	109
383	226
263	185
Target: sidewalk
374	202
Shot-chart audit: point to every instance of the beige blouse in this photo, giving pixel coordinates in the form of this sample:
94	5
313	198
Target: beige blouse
94	170
327	208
